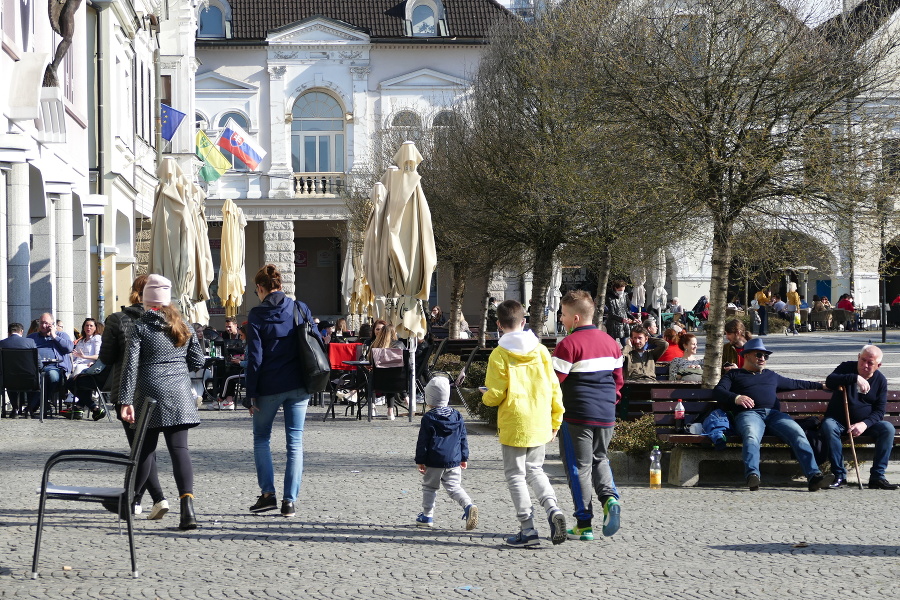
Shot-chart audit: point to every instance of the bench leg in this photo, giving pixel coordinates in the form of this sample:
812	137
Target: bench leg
684	467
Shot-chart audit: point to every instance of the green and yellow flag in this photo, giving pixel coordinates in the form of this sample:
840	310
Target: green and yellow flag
214	162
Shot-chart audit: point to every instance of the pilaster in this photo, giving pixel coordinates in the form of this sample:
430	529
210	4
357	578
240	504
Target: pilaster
18	244
278	249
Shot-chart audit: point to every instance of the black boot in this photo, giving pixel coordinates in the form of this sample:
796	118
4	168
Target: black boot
188	520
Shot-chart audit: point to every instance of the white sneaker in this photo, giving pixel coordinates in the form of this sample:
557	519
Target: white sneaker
391	416
138	509
227	405
159	510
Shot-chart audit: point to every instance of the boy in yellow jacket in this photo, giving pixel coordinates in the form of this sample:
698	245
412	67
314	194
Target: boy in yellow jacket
520	381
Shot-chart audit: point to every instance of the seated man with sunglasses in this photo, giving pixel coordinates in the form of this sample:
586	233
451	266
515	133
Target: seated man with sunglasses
749	393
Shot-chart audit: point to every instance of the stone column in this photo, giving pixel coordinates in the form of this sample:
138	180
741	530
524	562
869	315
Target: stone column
18	244
278	248
81	265
65	291
43	262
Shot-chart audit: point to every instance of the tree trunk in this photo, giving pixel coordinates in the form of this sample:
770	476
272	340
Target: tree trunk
605	265
457	293
540	282
718	289
485	305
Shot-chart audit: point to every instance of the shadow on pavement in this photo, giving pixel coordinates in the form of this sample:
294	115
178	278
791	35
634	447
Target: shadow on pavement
814	548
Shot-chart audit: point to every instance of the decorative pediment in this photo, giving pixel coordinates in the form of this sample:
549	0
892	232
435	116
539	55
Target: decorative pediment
424	79
317	30
215	83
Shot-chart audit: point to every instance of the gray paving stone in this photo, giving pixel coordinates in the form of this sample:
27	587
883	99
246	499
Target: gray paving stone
354	537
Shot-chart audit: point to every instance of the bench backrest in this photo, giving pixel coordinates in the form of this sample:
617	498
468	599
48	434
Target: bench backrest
797	403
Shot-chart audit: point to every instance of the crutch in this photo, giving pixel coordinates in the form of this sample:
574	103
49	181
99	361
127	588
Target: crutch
852	445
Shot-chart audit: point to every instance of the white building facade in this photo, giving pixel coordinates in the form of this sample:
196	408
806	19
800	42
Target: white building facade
314	90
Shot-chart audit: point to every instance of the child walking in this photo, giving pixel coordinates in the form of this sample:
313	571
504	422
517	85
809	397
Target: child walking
442	452
521	382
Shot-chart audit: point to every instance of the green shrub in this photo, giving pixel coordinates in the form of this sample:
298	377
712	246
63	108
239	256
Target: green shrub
636	437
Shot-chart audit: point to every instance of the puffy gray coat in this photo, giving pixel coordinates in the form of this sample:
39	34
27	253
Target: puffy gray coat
155	368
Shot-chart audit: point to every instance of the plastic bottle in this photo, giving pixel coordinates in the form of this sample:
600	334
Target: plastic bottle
679	417
655	469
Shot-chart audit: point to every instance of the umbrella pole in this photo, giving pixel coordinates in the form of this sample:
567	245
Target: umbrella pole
413	344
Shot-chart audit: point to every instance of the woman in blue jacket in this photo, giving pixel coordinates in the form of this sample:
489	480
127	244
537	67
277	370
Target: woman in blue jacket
274	380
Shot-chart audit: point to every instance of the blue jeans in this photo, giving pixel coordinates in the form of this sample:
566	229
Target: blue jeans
882	431
752	424
295	403
53	376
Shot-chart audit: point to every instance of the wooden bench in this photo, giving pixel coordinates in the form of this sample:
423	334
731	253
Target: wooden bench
690	449
637	396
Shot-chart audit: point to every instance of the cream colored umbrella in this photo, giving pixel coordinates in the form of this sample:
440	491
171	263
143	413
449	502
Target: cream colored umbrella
411	252
173	233
232	280
374	257
206	273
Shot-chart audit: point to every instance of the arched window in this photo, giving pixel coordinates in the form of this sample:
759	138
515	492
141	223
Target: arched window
440	127
211	23
406	118
424	23
241	120
317	134
408	125
200	121
445	118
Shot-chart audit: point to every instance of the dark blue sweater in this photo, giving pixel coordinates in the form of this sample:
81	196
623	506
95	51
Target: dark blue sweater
762	387
442	440
865	408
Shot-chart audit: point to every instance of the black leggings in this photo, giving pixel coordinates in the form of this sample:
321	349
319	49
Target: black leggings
177	443
151	484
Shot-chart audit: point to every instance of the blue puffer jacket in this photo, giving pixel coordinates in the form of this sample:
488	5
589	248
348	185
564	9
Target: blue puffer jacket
442	439
273	362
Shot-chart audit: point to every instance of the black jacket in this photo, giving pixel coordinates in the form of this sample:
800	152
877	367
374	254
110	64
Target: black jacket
442	439
113	344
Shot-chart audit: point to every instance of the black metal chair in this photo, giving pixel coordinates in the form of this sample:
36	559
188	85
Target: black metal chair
123	495
389	379
21	368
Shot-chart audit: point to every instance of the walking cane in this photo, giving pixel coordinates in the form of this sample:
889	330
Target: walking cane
850	435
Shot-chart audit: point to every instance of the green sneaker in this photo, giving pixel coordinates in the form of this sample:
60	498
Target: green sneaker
582	534
611	512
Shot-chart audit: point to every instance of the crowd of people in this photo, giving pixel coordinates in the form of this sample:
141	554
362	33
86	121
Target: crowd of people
148	351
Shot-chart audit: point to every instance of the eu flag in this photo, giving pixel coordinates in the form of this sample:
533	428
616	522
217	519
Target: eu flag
171	119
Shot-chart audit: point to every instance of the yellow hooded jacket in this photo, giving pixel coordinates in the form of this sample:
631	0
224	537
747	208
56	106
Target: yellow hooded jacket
521	382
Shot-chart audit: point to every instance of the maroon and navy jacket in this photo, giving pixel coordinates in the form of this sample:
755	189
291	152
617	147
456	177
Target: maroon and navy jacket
588	363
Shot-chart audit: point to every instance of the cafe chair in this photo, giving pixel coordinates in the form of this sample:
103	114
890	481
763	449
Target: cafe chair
390	374
123	495
21	368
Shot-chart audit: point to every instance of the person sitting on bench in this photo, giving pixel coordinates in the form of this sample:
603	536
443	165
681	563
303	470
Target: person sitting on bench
866	390
749	393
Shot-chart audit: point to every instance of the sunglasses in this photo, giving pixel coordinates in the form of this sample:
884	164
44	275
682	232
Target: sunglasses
762	355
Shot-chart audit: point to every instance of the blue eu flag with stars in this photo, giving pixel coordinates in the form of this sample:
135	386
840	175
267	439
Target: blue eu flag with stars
171	119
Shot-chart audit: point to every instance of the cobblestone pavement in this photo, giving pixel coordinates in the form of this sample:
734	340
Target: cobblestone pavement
353	534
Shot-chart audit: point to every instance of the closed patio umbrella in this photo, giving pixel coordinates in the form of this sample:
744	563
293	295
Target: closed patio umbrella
179	244
411	252
232	279
639	291
374	257
173	233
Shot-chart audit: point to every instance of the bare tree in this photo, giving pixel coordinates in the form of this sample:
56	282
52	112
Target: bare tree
724	94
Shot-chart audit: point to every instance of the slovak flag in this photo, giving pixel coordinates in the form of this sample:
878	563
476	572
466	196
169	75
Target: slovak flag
241	145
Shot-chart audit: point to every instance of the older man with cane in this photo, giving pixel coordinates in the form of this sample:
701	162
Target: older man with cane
865	395
750	393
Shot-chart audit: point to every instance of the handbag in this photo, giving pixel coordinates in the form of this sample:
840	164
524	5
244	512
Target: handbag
314	364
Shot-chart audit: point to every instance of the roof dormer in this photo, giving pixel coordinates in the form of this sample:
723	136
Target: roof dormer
425	18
